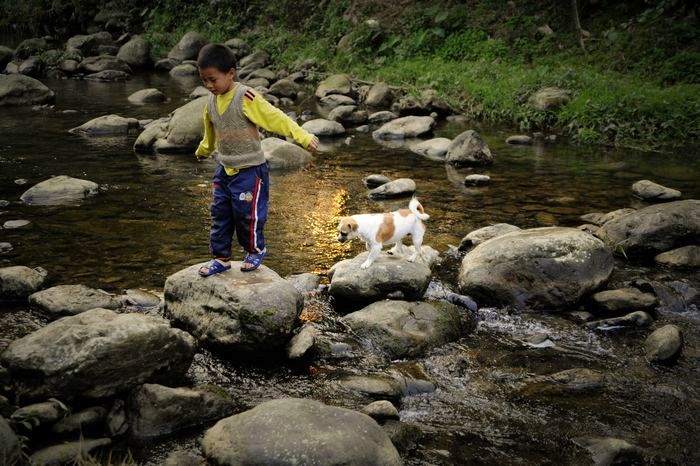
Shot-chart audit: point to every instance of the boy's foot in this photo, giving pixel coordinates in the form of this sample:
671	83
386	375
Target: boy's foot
253	260
214	266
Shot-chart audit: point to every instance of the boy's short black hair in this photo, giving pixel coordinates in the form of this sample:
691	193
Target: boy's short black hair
217	56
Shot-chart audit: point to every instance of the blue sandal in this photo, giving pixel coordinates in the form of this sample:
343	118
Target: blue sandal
212	267
254	259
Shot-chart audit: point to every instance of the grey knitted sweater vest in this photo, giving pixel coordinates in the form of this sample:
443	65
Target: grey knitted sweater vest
237	138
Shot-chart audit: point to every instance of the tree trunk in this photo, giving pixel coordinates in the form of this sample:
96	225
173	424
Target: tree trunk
577	23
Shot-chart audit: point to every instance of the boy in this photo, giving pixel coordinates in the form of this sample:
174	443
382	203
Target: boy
241	181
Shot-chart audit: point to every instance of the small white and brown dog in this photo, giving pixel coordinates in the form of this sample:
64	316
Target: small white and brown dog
387	228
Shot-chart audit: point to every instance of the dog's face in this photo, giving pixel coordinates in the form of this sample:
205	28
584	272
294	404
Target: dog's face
347	229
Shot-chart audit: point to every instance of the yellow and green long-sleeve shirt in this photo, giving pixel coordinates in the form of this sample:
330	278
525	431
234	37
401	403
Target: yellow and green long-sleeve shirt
261	113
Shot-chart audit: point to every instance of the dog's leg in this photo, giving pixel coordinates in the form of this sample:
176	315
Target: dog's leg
417	236
372	256
397	248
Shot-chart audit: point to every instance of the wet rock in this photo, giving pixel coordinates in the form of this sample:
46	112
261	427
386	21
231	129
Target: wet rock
199	91
610	451
550	98
335	100
375	180
379	95
409	329
184	69
256	60
166	64
41	413
348	114
404	435
155	410
284	155
381	117
155	130
31	67
405	127
396	188
59	190
664	344
67	452
632	320
654	229
299	430
374	386
285	88
147	96
687	256
304	281
469	148
519	139
136	53
234	310
481	235
388	276
568	382
13	224
624	300
18	89
81	422
103	63
107	125
581	316
88	43
477	180
409	105
238	46
381	411
335	84
141	298
18	282
184	458
185	129
108	76
69	67
188	47
72	299
117	423
541	268
302	342
650	191
435	149
10	449
599	219
92	355
6	54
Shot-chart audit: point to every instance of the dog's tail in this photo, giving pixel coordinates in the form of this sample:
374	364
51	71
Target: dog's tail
417	209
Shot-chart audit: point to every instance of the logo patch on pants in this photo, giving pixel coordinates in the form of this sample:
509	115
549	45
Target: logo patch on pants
248	197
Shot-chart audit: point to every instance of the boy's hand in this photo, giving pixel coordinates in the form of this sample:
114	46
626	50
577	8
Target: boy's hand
313	145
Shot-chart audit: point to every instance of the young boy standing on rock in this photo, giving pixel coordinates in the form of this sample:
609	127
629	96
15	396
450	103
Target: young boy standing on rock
241	180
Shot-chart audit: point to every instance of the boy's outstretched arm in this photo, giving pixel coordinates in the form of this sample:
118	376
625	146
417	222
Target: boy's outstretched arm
208	143
263	114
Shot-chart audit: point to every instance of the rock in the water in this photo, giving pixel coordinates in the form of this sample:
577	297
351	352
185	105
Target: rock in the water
299	431
136	53
610	451
153	131
234	310
103	63
381	410
396	188
469	148
304	281
59	190
81	422
284	155
568	382
107	125
624	300
381	117
302	342
632	320
147	96
408	329
545	268
687	256
184	458
12	224
435	149
18	282
375	386
92	355
519	139
285	88
72	299
108	76
185	128
380	95
155	410
664	344
335	84
323	127
184	69
46	412
375	180
405	128
389	276
66	453
476	180
654	229
477	237
335	100
650	191
18	89
10	449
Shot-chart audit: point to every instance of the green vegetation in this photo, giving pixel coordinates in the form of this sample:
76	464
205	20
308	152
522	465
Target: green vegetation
637	84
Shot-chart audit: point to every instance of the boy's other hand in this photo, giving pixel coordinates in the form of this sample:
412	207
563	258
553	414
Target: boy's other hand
313	145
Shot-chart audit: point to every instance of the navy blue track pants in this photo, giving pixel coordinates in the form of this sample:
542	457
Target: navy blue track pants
239	204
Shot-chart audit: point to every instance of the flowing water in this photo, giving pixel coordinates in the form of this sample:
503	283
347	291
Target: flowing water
150	219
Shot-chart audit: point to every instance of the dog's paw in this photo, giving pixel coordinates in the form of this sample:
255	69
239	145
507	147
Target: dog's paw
365	265
412	259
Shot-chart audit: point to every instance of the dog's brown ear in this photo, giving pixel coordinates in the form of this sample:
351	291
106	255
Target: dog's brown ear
353	224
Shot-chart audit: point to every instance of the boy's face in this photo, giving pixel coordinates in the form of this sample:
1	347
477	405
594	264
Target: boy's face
216	81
